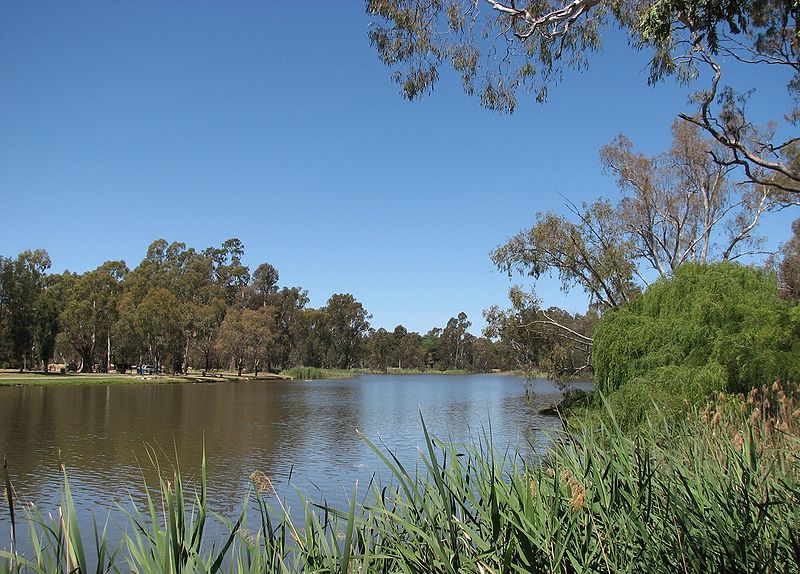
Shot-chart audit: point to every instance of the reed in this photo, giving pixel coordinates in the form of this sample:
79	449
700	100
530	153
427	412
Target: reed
715	492
309	373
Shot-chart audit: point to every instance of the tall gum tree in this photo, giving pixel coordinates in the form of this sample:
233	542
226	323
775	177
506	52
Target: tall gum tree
22	283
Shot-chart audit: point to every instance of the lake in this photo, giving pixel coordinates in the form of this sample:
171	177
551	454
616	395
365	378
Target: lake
306	430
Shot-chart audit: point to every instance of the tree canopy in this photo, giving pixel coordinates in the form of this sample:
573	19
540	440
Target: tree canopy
183	308
503	48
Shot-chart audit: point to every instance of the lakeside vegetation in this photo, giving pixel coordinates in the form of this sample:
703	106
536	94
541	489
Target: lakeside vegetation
183	310
716	491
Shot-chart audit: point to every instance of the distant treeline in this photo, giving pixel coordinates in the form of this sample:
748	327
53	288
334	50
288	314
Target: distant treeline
181	308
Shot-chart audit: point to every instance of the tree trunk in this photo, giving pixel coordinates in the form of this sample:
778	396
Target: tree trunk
185	362
86	359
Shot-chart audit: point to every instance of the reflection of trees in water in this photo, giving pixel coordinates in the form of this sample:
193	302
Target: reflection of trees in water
100	433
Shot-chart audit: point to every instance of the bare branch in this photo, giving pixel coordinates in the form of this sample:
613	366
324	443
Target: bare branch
550	25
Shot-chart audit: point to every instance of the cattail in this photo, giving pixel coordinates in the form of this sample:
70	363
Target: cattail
578	499
261	482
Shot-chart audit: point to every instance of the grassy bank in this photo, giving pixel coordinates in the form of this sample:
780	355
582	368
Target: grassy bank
14	378
718	491
309	373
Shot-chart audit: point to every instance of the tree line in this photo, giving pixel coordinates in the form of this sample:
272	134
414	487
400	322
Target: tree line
183	308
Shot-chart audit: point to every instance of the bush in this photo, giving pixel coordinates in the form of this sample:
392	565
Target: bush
718	327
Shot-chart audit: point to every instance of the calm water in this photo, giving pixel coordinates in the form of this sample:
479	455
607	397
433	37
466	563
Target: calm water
306	430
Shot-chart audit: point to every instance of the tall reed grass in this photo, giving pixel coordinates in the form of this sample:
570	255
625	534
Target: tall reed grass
309	373
716	492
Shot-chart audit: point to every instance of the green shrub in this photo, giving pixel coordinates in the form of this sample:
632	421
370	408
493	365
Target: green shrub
719	327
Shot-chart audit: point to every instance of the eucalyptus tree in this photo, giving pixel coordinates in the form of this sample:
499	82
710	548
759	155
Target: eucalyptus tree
314	341
259	330
206	320
500	49
683	205
194	279
159	319
5	312
228	270
409	351
380	349
263	285
288	306
534	338
591	250
789	265
232	341
90	310
486	356
22	283
349	325
48	317
431	343
244	338
676	207
453	342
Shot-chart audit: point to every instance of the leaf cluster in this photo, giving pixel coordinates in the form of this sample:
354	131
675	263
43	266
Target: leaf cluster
720	327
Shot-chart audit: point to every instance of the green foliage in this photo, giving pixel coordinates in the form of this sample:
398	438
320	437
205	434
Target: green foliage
710	328
304	373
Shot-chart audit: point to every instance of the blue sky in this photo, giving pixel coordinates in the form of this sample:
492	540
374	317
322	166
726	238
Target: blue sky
125	122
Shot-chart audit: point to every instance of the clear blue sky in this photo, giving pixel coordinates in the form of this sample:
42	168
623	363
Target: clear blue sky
274	122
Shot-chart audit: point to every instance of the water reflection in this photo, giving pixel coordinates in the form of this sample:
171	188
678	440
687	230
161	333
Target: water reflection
306	429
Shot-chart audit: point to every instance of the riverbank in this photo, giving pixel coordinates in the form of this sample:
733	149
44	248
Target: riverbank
15	378
12	377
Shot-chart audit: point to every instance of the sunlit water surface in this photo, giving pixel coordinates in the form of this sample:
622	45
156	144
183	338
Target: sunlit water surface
305	431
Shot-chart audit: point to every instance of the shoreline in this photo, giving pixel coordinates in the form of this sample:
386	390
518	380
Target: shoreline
10	377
